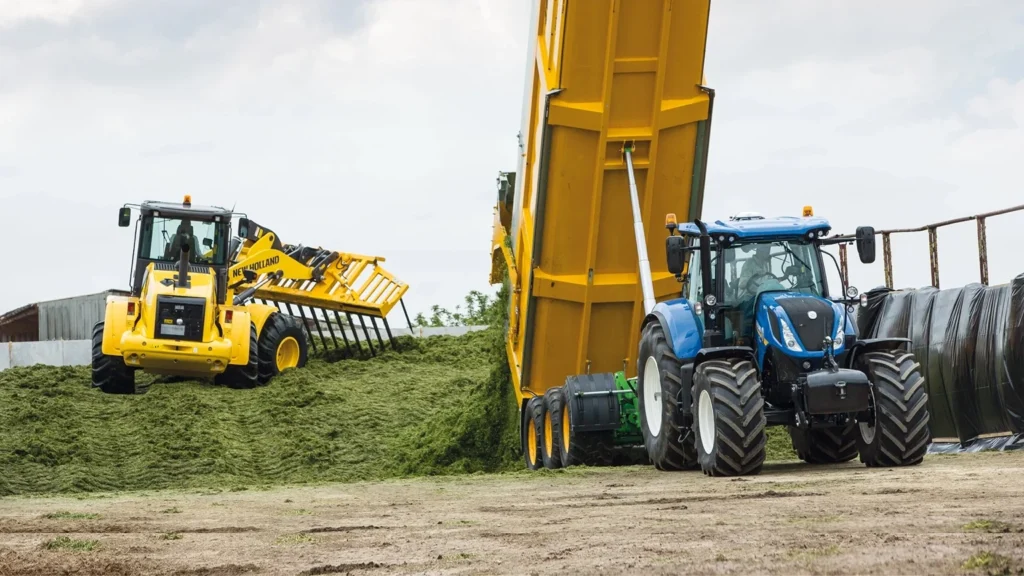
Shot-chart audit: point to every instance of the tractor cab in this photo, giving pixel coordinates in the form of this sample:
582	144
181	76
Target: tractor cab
169	228
760	282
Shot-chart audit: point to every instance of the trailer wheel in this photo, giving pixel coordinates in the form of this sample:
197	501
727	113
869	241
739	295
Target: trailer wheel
109	373
899	435
282	345
728	417
825	445
551	448
242	376
532	432
658	382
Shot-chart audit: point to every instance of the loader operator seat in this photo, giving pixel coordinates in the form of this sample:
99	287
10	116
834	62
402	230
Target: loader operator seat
174	247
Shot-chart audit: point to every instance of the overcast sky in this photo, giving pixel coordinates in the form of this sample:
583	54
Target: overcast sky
379	126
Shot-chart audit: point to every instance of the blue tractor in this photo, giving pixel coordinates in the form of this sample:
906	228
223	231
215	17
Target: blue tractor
756	340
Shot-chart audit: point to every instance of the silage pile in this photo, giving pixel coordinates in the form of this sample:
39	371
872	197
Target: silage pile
437	405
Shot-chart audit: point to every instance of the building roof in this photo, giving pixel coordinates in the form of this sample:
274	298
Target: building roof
29	309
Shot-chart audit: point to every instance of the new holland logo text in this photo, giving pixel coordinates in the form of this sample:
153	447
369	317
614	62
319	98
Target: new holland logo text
256	266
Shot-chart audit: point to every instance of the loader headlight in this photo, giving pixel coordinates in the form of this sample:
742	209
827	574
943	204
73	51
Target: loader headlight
788	338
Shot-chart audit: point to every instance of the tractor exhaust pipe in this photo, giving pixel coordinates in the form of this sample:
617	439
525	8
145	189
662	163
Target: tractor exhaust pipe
646	283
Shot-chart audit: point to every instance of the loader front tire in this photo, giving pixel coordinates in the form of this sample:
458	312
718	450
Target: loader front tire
728	417
658	382
109	373
282	345
242	376
899	435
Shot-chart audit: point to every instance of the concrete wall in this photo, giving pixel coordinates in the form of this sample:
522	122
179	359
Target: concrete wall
79	352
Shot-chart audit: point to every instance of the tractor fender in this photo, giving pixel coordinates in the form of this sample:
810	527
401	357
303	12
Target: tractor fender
745	352
872	344
679	323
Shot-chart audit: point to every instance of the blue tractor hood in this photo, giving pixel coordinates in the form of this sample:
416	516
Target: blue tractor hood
796	323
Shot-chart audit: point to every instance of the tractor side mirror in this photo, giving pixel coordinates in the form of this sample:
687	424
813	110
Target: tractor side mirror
243	227
124	217
208	242
866	244
676	251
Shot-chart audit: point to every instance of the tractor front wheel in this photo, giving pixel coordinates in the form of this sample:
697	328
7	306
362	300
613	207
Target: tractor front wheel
282	345
728	417
899	435
109	373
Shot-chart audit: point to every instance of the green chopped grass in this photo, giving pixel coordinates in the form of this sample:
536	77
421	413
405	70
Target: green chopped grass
68	543
65	515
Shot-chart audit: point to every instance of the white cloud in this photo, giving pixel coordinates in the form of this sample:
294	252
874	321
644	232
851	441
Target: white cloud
379	127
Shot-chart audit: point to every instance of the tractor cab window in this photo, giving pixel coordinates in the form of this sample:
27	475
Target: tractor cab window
161	240
780	265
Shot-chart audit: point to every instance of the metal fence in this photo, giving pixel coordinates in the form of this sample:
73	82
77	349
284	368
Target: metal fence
933	245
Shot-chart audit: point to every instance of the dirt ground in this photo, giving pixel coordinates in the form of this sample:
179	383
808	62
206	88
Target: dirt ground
952	514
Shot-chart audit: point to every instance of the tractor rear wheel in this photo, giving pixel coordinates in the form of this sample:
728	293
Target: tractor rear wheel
899	435
109	373
658	382
241	376
728	417
282	345
825	445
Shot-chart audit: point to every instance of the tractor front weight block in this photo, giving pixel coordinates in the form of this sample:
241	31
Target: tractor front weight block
842	391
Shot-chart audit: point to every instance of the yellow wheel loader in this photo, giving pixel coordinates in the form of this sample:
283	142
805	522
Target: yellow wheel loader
192	310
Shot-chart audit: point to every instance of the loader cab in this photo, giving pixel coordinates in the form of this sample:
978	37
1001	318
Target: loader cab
163	227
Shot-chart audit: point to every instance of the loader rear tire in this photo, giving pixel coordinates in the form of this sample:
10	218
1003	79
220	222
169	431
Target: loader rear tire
825	445
899	435
243	376
282	345
109	373
533	432
658	382
728	417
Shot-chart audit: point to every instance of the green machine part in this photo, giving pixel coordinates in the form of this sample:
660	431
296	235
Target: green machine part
628	431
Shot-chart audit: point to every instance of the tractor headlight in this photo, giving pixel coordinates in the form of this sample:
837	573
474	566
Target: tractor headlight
710	300
788	338
851	292
839	339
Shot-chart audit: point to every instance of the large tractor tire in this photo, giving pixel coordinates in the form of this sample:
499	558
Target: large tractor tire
728	417
242	376
533	432
551	446
899	436
109	373
659	380
282	345
825	445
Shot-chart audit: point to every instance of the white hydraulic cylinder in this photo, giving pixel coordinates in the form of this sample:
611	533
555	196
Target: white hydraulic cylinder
646	283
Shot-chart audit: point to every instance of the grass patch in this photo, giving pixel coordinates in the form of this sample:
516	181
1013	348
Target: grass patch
438	405
813	552
779	446
64	515
68	543
993	526
174	510
992	563
171	536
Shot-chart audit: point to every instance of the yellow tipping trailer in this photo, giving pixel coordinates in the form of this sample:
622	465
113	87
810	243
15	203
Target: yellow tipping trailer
604	78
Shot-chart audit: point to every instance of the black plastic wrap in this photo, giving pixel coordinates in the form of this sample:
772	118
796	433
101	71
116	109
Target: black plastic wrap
867	316
989	360
1012	388
1000	444
938	372
958	363
893	320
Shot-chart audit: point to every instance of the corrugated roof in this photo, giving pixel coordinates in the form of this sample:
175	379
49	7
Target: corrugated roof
18	313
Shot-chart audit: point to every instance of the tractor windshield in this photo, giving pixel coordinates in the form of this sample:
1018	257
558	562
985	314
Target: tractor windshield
160	240
779	265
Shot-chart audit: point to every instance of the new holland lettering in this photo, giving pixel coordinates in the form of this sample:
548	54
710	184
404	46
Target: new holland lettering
256	266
